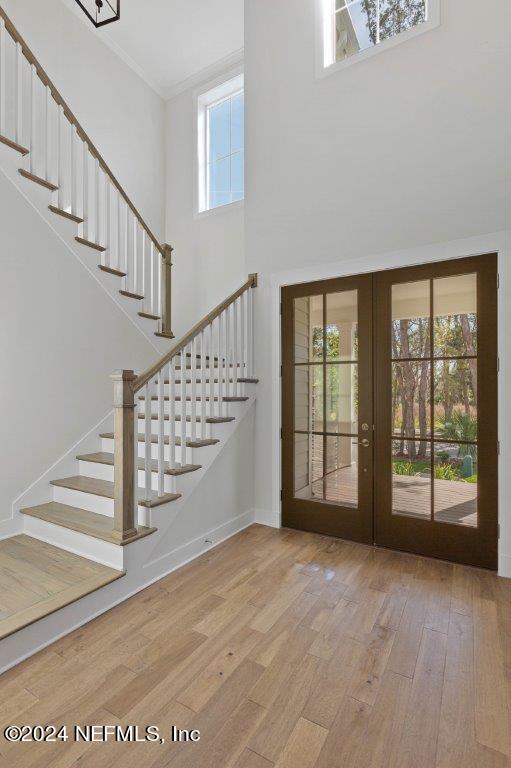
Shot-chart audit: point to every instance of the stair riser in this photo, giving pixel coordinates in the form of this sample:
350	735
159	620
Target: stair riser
93	503
210	430
86	546
192	454
106	472
228	409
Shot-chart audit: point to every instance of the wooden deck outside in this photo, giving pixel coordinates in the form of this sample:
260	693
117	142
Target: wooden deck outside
455	501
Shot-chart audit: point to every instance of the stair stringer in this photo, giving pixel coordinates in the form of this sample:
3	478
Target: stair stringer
39	199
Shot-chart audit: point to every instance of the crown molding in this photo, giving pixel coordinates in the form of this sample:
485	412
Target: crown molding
210	72
167	94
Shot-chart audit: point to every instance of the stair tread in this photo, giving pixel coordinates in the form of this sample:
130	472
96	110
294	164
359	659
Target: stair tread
38	180
65	214
90	244
198	419
103	457
82	521
177	398
148	316
14	145
166	440
105	488
111	270
131	295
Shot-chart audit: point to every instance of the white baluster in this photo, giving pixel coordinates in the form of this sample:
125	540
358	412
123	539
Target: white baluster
3	121
19	94
235	346
144	265
193	377
227	359
135	255
242	341
85	200
161	434
60	158
172	420
47	116
203	365
220	365
149	300
211	371
33	82
127	270
73	171
250	333
147	442
96	204
184	409
158	268
108	235
119	231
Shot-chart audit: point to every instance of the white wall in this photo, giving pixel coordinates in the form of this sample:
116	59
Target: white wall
209	257
61	336
407	148
122	115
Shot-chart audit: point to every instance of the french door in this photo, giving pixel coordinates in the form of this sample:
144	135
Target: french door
389	393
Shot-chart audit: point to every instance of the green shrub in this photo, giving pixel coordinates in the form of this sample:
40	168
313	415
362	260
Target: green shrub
446	472
404	468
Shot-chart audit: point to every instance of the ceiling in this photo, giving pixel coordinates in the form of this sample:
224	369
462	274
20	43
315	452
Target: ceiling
171	43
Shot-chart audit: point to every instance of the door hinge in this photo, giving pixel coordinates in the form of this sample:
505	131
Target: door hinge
498	530
280	307
281	494
281	433
498	447
498	280
498	364
280	371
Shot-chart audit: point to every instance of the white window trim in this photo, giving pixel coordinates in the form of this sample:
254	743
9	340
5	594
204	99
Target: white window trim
325	55
218	90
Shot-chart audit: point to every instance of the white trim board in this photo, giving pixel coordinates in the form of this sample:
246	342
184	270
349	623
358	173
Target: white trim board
499	242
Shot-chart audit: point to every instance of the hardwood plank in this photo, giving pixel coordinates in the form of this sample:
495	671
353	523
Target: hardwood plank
304	745
386	722
492	685
417	747
345	737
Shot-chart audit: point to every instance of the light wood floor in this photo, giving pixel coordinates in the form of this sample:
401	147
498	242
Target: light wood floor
285	649
37	579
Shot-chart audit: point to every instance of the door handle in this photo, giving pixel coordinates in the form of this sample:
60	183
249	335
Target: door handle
365	442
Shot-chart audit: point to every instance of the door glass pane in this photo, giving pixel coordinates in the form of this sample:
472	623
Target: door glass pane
411	399
342	398
341	478
308	467
455	315
309	398
341	326
308	321
456	399
410	320
455	489
411	478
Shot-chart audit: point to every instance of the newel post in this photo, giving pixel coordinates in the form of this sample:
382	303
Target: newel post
167	291
124	455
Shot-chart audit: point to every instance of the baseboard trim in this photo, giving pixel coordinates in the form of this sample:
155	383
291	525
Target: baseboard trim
505	566
267	517
10	527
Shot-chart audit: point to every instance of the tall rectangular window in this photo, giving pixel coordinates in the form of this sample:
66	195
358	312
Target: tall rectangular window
222	145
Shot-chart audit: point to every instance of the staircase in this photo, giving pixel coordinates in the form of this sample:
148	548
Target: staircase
169	424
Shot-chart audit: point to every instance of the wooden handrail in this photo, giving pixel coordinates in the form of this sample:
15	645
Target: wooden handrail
142	380
11	29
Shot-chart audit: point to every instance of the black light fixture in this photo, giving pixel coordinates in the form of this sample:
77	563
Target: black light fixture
101	12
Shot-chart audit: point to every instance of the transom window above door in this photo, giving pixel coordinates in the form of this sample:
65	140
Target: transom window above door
221	148
352	29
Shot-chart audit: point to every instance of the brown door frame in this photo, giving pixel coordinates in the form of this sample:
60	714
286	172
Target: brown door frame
447	541
320	516
374	521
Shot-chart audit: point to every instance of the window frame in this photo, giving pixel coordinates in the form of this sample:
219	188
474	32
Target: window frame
325	53
222	89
